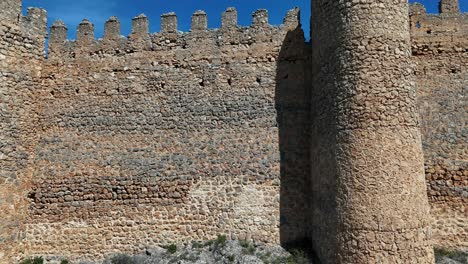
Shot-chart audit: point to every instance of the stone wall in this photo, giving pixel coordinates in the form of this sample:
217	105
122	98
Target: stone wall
124	143
440	51
21	53
368	197
168	137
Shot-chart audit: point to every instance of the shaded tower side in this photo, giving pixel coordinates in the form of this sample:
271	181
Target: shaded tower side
21	53
369	202
292	107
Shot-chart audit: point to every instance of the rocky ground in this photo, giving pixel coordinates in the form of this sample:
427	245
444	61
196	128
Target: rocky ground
241	252
220	250
225	251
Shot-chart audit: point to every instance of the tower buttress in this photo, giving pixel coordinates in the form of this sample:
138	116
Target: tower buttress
368	198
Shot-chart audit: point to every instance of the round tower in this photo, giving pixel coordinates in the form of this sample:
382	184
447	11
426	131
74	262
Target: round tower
368	188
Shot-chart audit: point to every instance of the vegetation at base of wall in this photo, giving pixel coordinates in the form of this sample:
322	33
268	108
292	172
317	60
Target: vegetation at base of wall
247	247
441	253
223	250
35	260
171	249
198	252
231	258
220	241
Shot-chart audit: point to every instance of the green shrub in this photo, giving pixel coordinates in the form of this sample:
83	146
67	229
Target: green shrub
35	260
250	250
172	248
247	247
209	243
64	261
231	258
221	240
244	243
265	257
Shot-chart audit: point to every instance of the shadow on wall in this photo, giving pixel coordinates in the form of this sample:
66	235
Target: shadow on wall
292	105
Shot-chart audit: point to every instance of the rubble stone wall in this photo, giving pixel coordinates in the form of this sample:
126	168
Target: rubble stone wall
168	137
440	52
123	143
21	55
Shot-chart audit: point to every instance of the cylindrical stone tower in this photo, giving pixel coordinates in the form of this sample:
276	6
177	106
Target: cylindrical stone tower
368	189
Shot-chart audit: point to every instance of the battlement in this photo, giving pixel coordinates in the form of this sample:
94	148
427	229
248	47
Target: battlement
21	36
10	11
449	7
140	39
438	33
33	25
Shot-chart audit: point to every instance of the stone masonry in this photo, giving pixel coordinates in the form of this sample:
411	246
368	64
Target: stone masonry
440	52
367	159
121	144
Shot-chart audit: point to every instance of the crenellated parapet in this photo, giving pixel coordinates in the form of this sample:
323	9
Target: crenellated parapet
229	19
449	7
446	32
10	11
260	18
169	38
32	27
21	36
85	33
199	21
169	23
34	24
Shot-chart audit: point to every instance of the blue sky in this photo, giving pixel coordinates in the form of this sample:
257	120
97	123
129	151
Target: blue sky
98	11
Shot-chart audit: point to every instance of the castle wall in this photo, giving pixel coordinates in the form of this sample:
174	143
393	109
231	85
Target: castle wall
168	137
440	52
21	54
125	143
368	197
